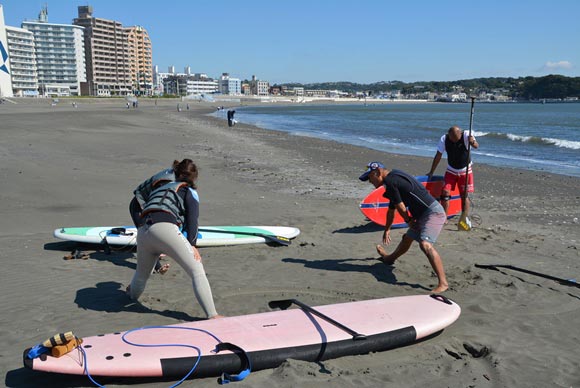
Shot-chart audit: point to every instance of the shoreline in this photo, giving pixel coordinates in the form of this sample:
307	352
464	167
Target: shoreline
308	136
78	166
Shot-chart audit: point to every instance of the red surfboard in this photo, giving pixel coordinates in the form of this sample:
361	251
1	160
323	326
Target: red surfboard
375	205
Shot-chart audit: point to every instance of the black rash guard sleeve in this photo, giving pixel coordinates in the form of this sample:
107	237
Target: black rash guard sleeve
191	205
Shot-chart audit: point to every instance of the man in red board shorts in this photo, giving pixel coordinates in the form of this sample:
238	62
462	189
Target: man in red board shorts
455	143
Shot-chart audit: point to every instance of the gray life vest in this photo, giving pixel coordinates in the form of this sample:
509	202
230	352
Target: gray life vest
166	199
143	191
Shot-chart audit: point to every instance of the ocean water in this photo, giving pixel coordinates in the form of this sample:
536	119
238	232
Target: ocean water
541	137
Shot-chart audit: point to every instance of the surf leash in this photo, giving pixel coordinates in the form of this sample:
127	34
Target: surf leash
284	304
495	267
225	377
277	239
118	231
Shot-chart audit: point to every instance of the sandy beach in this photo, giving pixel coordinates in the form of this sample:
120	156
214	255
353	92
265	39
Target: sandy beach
66	166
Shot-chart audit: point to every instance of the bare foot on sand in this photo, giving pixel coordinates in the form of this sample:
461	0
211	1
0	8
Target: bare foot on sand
384	256
440	288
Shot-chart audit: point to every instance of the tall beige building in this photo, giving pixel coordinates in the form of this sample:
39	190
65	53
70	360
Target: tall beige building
107	55
141	60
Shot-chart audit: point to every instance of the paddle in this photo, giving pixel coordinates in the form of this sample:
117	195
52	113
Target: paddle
277	239
463	225
284	304
496	266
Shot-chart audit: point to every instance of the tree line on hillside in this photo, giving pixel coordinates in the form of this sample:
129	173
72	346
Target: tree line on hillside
523	88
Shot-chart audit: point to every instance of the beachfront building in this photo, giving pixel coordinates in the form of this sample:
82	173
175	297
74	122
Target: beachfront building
22	62
106	54
5	78
293	91
201	84
60	56
158	81
246	89
259	88
141	60
175	85
187	85
229	85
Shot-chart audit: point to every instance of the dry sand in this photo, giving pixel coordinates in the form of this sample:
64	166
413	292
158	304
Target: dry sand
62	166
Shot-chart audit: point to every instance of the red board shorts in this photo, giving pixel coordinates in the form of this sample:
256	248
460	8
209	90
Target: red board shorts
453	179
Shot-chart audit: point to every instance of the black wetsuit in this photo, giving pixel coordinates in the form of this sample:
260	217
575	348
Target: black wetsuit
402	187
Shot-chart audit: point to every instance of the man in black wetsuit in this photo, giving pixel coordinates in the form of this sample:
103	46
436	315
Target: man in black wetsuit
425	217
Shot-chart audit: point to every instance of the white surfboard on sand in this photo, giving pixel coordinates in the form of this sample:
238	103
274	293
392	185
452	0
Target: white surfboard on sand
207	236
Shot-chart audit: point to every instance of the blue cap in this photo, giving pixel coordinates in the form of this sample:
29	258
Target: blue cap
370	167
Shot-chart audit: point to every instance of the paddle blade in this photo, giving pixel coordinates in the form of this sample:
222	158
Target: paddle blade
464	224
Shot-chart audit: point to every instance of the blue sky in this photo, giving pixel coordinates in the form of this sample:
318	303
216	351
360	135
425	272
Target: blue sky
359	41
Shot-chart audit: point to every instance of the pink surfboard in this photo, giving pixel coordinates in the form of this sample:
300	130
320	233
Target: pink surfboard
375	205
268	339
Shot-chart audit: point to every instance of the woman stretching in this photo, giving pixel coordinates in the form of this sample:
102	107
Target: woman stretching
170	227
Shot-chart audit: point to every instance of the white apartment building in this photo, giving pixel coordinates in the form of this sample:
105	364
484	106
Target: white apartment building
228	85
259	88
5	79
199	85
22	62
60	56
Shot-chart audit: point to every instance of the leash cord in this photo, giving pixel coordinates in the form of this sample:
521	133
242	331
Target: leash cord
198	350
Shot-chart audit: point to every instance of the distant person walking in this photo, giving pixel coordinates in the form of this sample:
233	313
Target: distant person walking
171	212
426	218
456	143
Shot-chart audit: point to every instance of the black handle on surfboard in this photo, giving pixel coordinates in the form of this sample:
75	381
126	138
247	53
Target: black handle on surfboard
285	303
542	275
277	239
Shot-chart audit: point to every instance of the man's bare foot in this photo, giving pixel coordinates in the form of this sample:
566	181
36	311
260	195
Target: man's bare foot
217	317
440	288
381	251
384	256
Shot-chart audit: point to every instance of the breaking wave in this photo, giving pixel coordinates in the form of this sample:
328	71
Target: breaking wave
570	144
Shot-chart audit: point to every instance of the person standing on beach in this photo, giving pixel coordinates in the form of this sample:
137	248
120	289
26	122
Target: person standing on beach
171	214
459	163
426	218
140	197
231	121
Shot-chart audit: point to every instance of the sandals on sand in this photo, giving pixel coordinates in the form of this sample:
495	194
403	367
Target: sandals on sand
76	254
161	268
